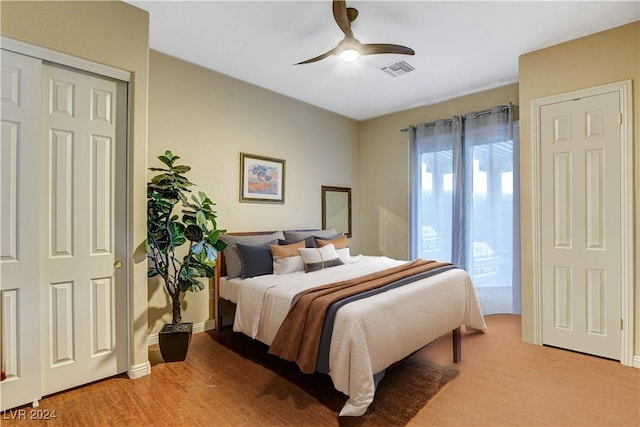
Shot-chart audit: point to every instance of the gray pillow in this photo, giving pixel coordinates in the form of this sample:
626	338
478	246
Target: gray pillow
256	260
232	254
296	236
309	242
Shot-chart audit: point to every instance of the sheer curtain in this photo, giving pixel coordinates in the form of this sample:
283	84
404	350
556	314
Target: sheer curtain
464	201
432	182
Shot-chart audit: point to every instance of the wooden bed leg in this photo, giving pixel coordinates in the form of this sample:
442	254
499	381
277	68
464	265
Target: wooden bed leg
457	345
219	320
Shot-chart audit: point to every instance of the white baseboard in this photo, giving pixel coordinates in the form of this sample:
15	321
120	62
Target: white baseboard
204	326
197	328
139	370
636	361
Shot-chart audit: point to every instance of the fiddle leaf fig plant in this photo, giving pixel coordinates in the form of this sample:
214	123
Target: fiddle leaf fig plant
168	230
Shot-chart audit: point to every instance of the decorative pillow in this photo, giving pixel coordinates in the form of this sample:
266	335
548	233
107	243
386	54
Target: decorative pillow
282	251
296	236
286	258
287	265
338	242
342	246
318	258
344	254
309	242
232	255
335	236
256	260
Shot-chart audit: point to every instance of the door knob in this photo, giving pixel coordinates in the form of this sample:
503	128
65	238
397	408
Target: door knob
117	264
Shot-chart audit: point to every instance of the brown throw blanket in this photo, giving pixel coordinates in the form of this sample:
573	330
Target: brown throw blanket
298	338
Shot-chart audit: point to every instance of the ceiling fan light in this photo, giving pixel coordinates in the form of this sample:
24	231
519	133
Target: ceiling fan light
349	55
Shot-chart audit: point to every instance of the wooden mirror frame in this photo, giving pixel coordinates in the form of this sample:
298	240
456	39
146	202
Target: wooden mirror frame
328	189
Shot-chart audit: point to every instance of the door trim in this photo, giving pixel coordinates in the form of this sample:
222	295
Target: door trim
626	209
45	54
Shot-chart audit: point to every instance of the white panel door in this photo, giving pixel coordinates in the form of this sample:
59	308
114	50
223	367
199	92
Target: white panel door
581	227
83	292
20	145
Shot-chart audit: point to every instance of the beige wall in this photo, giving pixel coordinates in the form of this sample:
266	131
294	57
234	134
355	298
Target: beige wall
115	34
601	58
384	168
208	119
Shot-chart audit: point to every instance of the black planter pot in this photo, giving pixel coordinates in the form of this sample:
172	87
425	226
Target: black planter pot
175	344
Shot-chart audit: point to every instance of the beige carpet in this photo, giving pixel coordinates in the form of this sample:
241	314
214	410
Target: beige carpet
506	382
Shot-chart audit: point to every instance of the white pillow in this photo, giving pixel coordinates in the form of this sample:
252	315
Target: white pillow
318	258
287	265
344	254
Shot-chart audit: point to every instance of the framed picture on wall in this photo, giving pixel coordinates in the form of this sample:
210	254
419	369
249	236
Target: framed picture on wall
261	179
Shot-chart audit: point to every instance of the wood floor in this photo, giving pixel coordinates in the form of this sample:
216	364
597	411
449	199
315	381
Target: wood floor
501	382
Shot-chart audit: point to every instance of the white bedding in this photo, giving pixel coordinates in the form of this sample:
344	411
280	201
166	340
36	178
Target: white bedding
369	334
230	288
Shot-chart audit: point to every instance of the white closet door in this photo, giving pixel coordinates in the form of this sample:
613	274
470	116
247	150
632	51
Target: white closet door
20	145
581	200
83	290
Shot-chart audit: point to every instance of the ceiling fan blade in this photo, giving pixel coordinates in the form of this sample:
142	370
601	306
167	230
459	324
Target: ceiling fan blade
342	17
319	57
375	48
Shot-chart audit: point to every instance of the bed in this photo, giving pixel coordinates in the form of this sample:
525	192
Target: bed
369	334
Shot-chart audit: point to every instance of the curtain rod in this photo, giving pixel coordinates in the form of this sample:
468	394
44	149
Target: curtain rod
478	113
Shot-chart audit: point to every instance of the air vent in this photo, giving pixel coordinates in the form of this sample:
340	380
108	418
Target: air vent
397	68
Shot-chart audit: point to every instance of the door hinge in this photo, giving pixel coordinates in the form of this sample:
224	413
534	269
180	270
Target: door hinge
620	118
621	324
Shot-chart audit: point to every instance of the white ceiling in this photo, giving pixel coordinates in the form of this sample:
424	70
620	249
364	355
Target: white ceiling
461	47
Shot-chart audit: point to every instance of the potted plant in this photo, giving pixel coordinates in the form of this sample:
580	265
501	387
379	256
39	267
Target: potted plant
167	232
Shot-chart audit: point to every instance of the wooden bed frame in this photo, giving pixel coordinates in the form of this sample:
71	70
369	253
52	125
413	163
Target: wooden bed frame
224	306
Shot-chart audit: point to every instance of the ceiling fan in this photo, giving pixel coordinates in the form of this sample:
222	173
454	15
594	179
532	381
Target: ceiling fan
349	47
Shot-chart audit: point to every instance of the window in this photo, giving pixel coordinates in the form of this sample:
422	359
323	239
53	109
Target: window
463	202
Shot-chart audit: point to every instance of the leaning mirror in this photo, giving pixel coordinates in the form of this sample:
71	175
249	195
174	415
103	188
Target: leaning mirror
336	209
